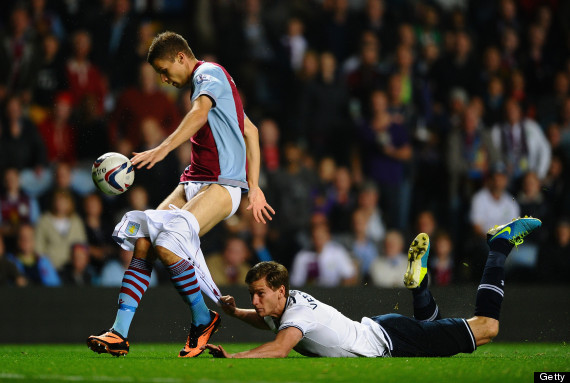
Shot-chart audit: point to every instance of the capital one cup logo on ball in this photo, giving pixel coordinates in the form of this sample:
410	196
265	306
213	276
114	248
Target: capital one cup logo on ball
113	173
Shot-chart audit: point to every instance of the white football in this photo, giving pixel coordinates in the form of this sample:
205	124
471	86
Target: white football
113	173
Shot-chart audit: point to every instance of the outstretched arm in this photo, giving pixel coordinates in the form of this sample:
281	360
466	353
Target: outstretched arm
257	203
248	316
190	124
284	342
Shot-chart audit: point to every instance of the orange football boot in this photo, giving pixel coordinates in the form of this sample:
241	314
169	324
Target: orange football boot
199	336
110	342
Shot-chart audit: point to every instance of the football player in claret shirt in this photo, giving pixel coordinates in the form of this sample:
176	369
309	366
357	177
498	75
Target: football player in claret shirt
314	328
210	189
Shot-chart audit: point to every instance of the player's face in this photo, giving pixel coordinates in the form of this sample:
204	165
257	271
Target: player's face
174	72
265	300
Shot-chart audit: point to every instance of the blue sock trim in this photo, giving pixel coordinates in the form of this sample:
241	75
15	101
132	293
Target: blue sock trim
125	307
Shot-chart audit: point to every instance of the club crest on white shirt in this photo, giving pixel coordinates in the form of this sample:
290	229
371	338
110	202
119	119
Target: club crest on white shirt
132	228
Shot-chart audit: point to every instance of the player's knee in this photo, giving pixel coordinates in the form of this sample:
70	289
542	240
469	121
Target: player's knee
143	248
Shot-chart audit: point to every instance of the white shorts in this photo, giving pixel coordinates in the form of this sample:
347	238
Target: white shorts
174	229
192	188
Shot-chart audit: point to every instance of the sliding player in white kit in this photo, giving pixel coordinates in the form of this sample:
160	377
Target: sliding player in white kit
210	190
314	328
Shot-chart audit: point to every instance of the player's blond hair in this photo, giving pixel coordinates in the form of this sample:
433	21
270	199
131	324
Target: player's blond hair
166	45
275	274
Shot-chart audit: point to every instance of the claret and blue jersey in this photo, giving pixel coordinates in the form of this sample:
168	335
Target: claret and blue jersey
218	148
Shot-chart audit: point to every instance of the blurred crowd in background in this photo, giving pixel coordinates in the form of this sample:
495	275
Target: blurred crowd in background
378	119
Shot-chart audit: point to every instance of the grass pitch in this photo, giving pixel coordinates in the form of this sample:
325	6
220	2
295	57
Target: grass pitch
157	363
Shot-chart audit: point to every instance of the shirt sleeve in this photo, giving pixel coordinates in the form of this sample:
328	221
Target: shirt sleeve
300	317
208	82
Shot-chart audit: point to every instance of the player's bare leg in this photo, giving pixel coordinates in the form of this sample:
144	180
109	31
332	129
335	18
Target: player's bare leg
176	198
484	329
204	321
210	206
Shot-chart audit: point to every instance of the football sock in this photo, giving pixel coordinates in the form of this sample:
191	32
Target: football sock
490	292
135	283
184	278
425	308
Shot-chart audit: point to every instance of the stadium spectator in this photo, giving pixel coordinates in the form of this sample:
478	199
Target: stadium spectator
58	131
458	69
551	103
269	134
326	171
490	68
78	271
58	229
426	222
363	248
9	273
326	263
115	44
387	269
368	203
340	202
16	208
46	21
50	78
231	266
91	134
21	145
470	153
37	268
537	62
324	114
522	144
261	243
510	45
137	104
339	29
385	151
290	191
17	55
490	205
361	82
374	19
442	261
98	229
84	78
494	101
294	44
62	180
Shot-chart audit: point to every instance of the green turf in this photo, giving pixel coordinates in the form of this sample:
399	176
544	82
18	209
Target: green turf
157	363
